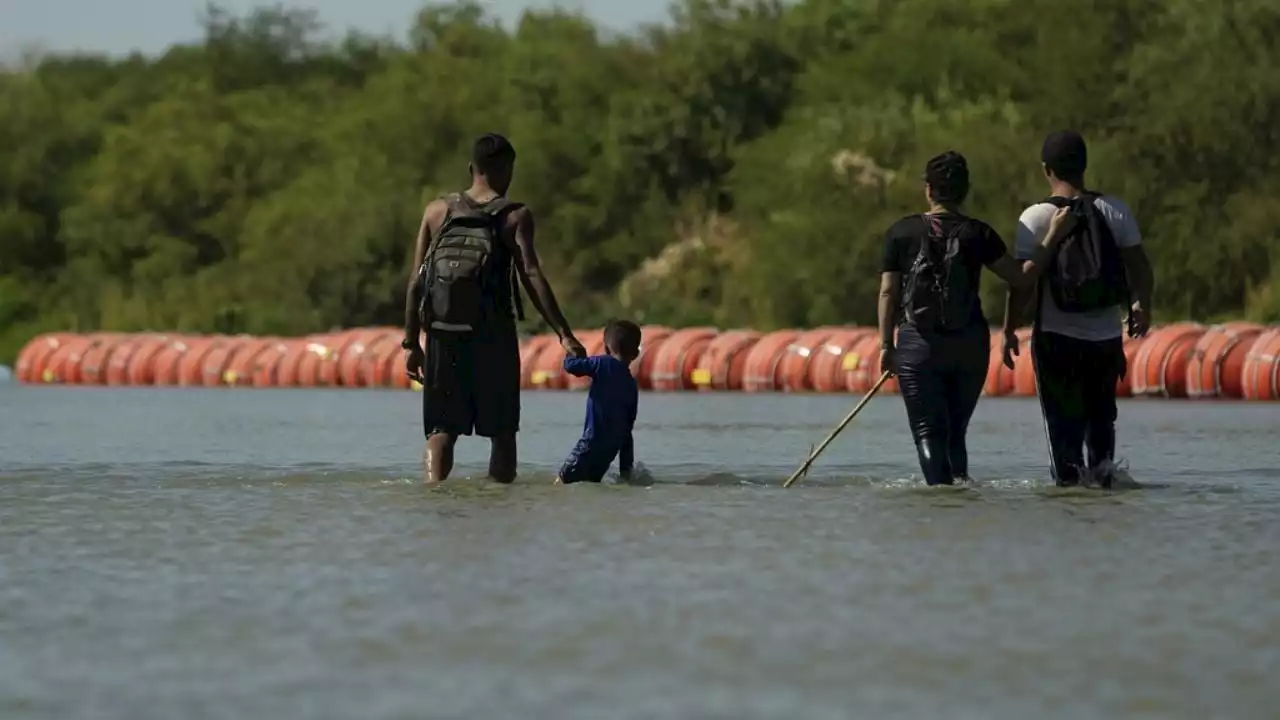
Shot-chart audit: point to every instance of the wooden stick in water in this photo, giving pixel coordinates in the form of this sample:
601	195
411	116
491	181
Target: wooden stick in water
804	469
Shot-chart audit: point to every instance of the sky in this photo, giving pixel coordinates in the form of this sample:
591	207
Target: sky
119	27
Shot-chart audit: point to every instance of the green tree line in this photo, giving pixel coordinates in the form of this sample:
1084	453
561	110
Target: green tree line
736	166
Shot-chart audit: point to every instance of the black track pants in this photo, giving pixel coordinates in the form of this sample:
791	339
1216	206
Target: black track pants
1077	389
941	377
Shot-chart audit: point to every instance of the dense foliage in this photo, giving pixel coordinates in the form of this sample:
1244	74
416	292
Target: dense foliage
734	167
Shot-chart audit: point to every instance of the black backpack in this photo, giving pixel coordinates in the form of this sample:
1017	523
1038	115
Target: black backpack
937	294
1086	272
462	276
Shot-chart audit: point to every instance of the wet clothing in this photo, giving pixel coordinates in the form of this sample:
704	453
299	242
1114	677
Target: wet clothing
941	378
471	377
612	402
471	382
941	373
1077	388
1078	357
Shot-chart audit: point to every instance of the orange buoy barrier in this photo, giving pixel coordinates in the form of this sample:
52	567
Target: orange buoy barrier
827	371
1230	360
593	342
1160	366
722	362
1216	369
1260	375
34	357
679	357
760	373
651	339
793	369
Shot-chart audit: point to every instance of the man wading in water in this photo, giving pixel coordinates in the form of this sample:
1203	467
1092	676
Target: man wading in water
471	247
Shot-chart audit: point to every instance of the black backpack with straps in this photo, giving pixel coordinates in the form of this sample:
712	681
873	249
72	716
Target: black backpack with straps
937	293
1085	271
467	273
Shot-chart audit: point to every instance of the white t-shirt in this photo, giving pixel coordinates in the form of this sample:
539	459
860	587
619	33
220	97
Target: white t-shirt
1103	324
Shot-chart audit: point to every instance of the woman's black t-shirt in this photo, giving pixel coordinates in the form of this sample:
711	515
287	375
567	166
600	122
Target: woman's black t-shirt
980	245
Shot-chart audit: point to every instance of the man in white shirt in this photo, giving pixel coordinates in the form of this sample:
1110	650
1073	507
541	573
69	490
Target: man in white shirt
1079	355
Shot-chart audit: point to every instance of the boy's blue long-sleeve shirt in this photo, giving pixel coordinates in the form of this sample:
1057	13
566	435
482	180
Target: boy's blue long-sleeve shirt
612	402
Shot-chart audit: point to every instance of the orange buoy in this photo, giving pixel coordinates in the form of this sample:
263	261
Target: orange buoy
116	372
63	365
218	358
317	349
723	361
593	342
34	356
1217	360
329	373
651	339
165	367
793	369
191	362
1124	384
677	359
1260	376
826	370
1160	367
239	366
93	365
760	373
350	354
862	367
141	372
366	371
529	349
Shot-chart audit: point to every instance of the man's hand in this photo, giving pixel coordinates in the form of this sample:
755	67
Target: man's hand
1139	320
889	359
413	363
1010	349
572	346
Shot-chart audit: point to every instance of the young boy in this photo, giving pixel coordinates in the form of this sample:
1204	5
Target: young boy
611	407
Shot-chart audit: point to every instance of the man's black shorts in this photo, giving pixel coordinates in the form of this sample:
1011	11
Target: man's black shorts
472	383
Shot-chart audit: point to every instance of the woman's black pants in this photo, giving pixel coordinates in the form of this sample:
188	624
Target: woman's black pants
941	377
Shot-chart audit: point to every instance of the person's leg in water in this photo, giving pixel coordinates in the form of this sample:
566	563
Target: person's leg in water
922	392
447	401
1105	366
586	463
503	458
1058	367
964	385
438	457
497	399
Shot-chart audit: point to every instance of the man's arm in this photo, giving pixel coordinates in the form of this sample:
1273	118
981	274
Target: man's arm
887	307
412	323
535	282
1142	281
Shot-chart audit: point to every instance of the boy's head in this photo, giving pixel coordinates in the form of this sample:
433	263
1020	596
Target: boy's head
622	340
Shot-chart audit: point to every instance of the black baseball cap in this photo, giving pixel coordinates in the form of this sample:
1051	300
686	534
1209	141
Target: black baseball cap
1064	153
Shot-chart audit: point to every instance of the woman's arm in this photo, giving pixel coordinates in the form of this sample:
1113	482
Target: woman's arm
887	308
1025	274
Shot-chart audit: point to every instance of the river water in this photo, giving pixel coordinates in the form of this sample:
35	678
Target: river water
271	554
